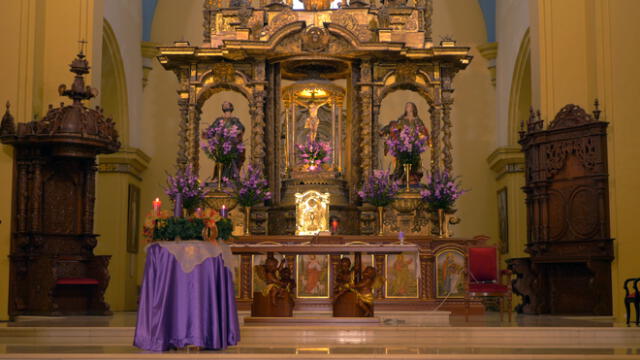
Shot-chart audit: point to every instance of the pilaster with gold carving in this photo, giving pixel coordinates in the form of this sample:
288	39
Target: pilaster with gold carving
194	135
366	119
426	275
245	276
380	269
334	260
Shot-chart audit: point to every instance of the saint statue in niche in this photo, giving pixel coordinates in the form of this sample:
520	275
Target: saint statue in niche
410	119
312	121
227	120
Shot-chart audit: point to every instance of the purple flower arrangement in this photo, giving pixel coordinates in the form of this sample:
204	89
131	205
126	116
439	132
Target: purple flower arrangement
185	188
222	143
441	191
250	188
406	144
314	153
379	189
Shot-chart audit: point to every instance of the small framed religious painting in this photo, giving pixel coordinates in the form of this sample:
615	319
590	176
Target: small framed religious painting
133	219
313	276
450	268
401	279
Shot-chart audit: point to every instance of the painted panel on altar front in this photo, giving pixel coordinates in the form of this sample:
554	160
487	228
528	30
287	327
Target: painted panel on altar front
450	265
313	276
257	284
367	260
401	276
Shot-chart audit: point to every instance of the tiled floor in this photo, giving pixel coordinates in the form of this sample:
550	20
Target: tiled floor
483	337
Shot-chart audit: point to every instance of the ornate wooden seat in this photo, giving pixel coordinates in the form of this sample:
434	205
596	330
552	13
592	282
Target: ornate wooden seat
484	281
632	297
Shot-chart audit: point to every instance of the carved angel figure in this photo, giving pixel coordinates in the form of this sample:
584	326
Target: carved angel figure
277	278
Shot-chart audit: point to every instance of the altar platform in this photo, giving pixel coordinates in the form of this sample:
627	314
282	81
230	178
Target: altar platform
483	337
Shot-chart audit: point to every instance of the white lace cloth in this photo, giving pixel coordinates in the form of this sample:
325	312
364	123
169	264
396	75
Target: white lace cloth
191	253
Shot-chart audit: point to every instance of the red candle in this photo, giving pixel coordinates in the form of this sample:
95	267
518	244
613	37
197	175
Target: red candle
157	204
334	226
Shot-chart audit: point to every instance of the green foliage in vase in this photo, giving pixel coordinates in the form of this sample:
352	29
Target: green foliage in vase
225	228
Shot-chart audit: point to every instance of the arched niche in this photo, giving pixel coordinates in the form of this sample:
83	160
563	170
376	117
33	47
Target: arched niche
520	96
391	108
114	98
211	108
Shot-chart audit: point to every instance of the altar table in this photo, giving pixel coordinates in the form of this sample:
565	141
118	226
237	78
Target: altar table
187	298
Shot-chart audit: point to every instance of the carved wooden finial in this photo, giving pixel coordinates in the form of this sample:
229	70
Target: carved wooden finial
7	126
596	111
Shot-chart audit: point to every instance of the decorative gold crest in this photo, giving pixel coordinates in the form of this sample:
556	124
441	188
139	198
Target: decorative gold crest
315	39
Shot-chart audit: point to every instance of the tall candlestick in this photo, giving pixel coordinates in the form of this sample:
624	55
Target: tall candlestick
157	205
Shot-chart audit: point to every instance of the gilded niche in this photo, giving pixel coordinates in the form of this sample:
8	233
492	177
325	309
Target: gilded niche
312	212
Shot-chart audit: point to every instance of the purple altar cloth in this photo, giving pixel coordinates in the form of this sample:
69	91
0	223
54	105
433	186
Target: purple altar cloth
179	309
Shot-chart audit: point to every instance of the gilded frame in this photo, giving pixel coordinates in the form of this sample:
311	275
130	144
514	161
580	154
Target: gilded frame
387	281
299	276
463	269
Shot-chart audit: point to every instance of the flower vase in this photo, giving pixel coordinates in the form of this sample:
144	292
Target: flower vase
247	219
380	220
219	175
407	174
441	220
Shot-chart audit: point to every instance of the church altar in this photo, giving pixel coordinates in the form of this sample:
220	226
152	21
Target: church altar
425	266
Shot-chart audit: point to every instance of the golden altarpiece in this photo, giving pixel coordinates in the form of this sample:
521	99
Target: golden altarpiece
321	73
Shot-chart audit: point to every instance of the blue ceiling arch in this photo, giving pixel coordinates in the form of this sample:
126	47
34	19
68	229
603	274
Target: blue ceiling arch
489	11
148	10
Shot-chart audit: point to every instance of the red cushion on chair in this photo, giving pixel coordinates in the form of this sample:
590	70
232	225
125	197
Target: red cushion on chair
488	288
76	281
632	295
483	264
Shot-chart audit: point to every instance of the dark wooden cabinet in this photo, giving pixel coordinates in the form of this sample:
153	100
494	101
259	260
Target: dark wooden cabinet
566	186
53	268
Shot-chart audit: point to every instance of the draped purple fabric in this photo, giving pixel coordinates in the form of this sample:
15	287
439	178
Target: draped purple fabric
179	309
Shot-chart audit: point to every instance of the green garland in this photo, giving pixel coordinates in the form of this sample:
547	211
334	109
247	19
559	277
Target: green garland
173	227
225	228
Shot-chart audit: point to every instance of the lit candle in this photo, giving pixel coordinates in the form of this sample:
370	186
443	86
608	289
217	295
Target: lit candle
199	212
223	211
334	226
157	204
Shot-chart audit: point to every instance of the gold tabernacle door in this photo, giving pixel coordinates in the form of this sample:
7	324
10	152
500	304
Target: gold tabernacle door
312	212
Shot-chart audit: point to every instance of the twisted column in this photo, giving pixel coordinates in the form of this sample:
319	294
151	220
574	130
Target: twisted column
256	109
446	138
435	113
182	160
366	119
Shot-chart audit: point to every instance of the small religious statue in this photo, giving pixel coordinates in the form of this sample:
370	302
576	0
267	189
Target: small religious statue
391	131
276	298
227	122
364	289
312	121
